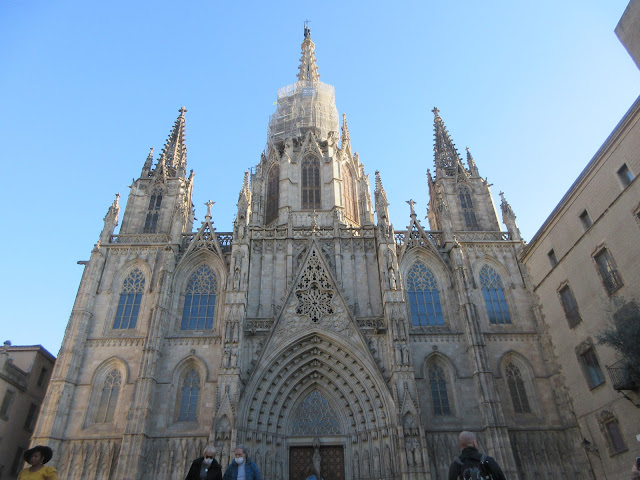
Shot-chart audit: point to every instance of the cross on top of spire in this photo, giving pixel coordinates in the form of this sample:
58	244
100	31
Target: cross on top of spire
183	110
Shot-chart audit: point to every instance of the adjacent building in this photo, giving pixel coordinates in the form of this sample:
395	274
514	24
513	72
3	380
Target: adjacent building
584	264
24	377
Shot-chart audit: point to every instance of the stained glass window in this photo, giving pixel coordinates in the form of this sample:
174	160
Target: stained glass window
199	300
311	183
467	208
189	397
129	302
424	298
314	416
109	396
439	395
494	298
517	390
348	194
273	193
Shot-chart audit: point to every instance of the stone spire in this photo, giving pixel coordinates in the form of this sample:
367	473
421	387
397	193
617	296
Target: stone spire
447	160
146	168
509	219
473	169
346	137
382	204
308	71
174	153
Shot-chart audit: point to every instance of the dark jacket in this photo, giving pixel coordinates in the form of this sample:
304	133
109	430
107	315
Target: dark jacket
469	452
214	473
251	471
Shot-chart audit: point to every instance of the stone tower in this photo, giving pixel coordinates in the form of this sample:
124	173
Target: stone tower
314	333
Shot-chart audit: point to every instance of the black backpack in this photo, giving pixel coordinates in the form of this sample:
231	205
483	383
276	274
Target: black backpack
472	469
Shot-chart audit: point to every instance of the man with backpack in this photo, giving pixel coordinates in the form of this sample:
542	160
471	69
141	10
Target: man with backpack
472	464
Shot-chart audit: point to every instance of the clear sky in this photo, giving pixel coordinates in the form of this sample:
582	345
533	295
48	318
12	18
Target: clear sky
533	89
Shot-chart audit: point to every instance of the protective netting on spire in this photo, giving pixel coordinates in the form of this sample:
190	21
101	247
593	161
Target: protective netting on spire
304	106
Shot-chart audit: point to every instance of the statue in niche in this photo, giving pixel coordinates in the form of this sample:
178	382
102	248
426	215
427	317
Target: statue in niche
392	280
236	279
316	457
233	360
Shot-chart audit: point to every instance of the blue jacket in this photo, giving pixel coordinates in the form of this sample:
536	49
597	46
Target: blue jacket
251	471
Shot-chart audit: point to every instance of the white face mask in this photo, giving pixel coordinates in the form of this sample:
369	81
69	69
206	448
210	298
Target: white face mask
239	460
207	461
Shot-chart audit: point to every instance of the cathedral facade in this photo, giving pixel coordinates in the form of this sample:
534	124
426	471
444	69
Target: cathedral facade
314	333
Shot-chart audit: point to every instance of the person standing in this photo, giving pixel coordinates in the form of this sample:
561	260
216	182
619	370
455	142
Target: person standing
37	457
206	467
471	462
241	468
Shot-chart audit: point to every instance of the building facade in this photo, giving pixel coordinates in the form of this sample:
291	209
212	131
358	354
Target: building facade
24	376
314	332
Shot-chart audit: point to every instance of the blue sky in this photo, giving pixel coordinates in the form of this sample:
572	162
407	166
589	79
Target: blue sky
88	87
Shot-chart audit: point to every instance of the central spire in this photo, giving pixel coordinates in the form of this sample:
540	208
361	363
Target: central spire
308	71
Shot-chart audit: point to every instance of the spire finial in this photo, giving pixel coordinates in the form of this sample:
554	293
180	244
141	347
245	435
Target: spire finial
183	110
209	204
307	30
174	153
308	70
411	205
446	156
346	137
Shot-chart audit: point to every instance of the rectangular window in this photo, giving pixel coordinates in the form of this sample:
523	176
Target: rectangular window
586	220
608	271
30	421
552	258
6	403
43	374
625	176
591	367
616	441
570	306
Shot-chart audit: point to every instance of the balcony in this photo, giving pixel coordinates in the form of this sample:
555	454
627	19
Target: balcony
621	376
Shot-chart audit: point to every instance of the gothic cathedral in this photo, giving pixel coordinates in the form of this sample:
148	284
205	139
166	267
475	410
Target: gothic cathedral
314	330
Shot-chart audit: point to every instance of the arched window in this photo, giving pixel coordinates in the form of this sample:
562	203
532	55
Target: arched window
151	221
109	397
424	298
494	297
438	387
273	193
467	208
517	390
129	302
315	416
199	300
349	197
311	183
189	393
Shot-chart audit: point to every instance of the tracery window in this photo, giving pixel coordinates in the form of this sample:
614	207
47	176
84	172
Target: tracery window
314	416
311	183
467	208
517	390
189	394
424	298
129	302
151	221
273	193
109	397
494	297
199	300
349	197
439	394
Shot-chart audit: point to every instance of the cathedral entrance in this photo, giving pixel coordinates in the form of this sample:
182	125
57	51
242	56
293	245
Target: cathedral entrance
331	462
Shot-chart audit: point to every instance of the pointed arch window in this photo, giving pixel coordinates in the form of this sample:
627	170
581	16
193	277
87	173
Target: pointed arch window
311	183
273	193
439	394
314	416
517	390
494	297
109	397
199	300
424	298
348	194
129	302
153	213
466	204
189	395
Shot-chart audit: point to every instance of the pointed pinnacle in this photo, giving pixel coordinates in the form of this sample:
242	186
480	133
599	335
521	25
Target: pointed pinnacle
308	70
174	153
379	187
345	129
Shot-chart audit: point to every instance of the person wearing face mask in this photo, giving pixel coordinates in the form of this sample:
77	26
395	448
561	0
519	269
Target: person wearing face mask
206	467
242	468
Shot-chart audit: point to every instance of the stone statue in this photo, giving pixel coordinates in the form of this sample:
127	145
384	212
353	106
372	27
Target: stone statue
316	457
